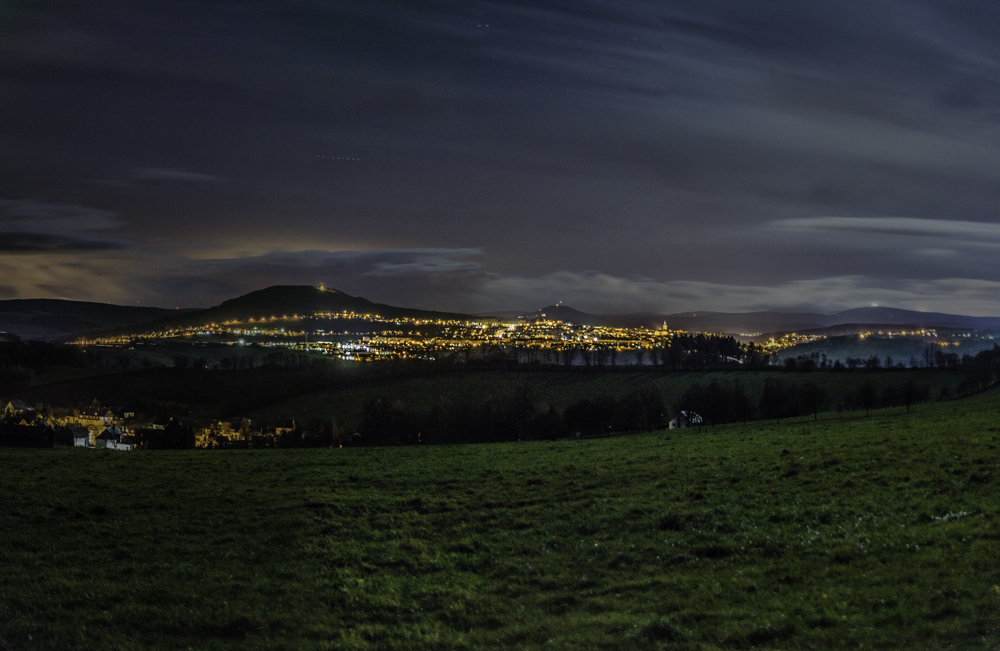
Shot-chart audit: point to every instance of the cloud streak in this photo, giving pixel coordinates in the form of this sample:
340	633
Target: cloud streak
21	242
897	226
171	174
30	227
602	293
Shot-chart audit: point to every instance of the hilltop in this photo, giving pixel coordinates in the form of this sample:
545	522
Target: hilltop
289	300
60	320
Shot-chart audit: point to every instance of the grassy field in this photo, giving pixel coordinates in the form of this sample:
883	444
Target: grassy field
849	533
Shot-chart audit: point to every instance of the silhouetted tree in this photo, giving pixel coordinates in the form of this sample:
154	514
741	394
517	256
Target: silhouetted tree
910	394
386	422
813	398
640	411
778	400
866	397
591	416
548	425
568	353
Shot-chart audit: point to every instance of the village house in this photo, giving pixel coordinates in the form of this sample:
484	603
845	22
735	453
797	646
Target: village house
221	433
95	419
284	426
81	435
17	409
112	438
686	419
123	412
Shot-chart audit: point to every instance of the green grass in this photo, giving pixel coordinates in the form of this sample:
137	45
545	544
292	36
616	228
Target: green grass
848	533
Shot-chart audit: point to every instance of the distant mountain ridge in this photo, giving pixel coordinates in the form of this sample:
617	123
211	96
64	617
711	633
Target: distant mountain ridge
59	320
890	315
769	321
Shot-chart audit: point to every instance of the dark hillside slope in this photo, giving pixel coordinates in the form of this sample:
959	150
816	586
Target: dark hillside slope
897	317
58	320
568	314
193	393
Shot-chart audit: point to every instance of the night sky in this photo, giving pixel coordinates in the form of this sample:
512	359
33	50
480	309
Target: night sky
617	156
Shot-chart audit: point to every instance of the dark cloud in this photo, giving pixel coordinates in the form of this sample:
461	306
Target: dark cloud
37	214
48	243
30	227
972	232
401	277
456	153
170	174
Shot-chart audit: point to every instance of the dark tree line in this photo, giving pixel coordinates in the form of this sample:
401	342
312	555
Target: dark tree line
463	419
317	434
721	402
708	352
639	411
175	435
20	361
38	355
933	357
15	378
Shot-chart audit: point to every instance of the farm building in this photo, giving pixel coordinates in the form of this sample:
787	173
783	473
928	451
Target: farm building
112	438
686	419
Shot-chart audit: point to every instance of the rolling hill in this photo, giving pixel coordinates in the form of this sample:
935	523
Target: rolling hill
58	320
287	301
